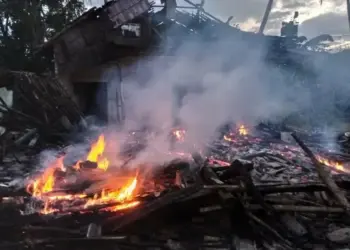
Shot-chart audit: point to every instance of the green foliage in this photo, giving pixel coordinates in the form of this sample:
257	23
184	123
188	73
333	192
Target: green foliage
26	24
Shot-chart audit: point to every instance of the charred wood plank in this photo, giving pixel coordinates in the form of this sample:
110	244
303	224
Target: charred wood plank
300	209
119	222
257	220
210	177
271	189
324	175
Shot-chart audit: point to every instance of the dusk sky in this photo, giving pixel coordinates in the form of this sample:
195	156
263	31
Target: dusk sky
315	19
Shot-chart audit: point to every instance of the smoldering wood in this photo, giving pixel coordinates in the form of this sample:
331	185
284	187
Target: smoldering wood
325	175
268	189
155	205
301	209
130	219
96	37
191	199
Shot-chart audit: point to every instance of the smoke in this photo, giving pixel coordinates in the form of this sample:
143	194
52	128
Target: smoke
229	80
203	85
220	82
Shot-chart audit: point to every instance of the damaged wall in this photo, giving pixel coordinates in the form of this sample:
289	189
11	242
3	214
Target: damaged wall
109	77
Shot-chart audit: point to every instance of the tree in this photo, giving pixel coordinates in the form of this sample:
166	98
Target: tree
26	24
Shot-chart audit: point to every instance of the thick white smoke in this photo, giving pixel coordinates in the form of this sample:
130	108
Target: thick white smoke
226	81
229	80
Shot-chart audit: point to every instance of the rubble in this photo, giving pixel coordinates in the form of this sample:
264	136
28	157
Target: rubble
254	188
341	235
41	113
260	200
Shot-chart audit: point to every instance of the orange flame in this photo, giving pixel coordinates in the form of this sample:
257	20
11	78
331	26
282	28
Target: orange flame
123	206
96	153
46	182
333	164
242	130
43	187
179	134
122	195
228	138
47	209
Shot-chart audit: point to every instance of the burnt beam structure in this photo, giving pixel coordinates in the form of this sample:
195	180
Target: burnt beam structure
82	43
109	36
88	42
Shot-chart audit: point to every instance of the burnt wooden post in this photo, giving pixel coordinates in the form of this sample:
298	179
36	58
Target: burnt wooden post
114	97
179	94
112	108
120	102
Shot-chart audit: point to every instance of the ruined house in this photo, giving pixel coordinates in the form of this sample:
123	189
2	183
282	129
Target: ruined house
96	42
104	46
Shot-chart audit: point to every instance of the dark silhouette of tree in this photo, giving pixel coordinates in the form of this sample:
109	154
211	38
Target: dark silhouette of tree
26	24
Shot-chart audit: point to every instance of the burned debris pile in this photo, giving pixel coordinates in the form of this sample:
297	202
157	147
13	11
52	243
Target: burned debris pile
40	106
249	191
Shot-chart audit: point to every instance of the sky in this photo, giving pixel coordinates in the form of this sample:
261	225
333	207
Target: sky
314	18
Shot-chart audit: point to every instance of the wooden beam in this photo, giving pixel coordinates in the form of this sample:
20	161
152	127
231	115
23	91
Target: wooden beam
266	16
348	11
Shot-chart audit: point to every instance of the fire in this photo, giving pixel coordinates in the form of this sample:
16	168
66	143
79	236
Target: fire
229	138
242	130
47	186
333	164
219	162
96	153
122	195
123	206
47	209
179	134
45	183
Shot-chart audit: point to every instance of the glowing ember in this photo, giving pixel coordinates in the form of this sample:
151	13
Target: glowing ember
123	206
242	130
179	134
47	187
47	209
219	162
229	138
109	188
333	164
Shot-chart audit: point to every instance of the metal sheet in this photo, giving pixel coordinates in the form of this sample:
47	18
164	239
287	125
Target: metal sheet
126	10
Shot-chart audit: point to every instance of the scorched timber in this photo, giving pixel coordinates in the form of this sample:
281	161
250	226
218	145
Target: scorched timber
144	210
325	176
218	206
